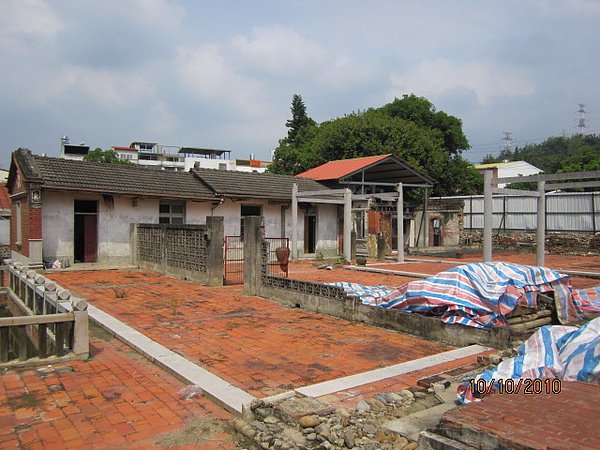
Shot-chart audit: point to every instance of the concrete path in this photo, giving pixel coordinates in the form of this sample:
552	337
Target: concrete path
217	389
341	384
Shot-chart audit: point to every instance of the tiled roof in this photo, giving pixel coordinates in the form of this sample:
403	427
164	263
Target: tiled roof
231	183
4	199
109	178
334	170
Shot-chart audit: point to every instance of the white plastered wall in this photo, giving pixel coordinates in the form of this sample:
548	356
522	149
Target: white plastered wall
114	225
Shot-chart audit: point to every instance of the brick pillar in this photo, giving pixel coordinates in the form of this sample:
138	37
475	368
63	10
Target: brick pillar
214	263
253	257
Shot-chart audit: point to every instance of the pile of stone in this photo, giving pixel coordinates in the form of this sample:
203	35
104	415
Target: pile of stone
302	423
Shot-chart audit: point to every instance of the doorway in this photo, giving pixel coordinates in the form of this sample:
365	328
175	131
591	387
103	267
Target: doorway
435	235
85	239
310	234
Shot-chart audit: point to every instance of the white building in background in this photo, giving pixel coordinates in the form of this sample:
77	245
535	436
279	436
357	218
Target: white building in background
509	169
170	157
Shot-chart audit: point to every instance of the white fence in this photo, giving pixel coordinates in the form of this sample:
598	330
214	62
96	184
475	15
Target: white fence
565	212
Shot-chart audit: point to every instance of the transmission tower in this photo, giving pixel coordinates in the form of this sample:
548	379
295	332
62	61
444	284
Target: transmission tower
581	121
507	141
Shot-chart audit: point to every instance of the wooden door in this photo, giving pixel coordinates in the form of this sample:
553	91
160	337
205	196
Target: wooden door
90	238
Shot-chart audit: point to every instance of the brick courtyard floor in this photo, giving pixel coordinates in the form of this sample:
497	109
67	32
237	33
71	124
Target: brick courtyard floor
253	343
305	270
116	399
568	420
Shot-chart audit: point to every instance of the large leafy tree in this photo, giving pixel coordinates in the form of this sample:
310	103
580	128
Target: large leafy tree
410	127
105	156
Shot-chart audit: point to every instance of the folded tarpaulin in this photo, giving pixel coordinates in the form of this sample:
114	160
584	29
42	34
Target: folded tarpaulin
553	352
480	294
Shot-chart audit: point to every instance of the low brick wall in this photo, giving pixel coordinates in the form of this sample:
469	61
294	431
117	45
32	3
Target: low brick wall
193	252
334	301
294	294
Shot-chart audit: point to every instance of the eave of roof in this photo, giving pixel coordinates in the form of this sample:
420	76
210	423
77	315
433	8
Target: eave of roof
334	170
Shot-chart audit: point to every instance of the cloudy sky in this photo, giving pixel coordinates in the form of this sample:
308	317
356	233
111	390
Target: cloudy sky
221	74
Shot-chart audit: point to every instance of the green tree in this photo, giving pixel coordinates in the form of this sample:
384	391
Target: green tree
410	128
292	155
105	156
558	154
299	119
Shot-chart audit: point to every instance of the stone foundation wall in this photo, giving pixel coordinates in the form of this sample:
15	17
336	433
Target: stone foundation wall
561	243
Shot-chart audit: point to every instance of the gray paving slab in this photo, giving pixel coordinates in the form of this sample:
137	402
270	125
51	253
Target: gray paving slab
220	391
341	384
410	426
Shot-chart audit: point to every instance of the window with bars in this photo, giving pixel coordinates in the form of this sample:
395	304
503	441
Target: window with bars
171	213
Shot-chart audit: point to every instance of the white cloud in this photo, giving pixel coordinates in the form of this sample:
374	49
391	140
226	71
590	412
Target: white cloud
279	50
487	80
104	88
28	17
210	77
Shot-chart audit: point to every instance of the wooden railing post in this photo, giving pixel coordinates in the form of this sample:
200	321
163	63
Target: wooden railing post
43	340
22	342
4	344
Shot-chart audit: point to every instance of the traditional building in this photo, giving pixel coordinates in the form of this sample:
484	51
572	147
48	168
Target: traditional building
75	211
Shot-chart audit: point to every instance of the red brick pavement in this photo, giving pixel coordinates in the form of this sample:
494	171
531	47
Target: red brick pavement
253	343
305	270
568	420
116	399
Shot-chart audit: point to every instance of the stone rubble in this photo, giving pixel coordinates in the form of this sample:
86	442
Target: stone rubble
267	426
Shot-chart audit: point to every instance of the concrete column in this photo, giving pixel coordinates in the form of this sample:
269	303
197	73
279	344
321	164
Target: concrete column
400	222
253	254
426	219
294	243
214	250
133	239
348	224
81	346
487	215
541	224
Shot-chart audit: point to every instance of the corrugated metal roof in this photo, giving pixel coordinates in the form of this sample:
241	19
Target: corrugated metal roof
334	170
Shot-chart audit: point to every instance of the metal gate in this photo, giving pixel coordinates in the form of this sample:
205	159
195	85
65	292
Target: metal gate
233	272
277	264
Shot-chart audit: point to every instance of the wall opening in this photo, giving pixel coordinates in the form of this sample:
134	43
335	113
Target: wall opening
436	233
310	234
85	239
248	210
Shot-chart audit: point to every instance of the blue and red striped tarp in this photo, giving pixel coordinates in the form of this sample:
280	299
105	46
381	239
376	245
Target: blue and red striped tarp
552	353
482	294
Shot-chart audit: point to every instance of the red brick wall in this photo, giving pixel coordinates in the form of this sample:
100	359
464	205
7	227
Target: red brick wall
31	225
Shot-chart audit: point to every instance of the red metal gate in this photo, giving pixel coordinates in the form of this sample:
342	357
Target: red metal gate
233	272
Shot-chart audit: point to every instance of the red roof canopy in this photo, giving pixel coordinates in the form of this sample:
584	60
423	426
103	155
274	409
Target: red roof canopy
334	170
